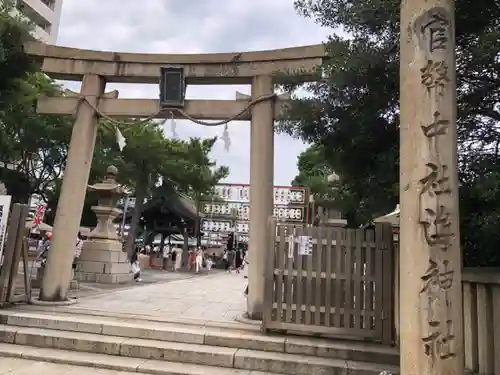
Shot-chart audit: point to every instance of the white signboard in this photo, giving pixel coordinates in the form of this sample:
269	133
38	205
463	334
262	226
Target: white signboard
242	227
4	217
241	193
242	210
208	225
305	245
291	245
242	238
289	213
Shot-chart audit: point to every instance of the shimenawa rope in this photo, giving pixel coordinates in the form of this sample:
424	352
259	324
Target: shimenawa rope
172	110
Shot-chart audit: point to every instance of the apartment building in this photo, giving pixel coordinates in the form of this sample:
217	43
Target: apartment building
45	14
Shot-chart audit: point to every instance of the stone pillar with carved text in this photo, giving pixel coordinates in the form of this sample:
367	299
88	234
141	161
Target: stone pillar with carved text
57	276
431	338
261	191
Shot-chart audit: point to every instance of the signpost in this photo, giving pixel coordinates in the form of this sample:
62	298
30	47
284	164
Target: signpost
5	201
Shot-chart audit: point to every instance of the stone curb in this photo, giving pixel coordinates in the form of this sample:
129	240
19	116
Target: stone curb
108	362
38	302
168	319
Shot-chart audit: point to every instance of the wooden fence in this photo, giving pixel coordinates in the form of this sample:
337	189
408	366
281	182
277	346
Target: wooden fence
15	250
481	288
330	282
481	305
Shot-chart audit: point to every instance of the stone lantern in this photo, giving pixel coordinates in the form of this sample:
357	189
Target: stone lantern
102	259
109	193
329	216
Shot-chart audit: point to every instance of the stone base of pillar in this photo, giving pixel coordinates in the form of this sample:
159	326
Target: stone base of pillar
255	313
103	261
37	282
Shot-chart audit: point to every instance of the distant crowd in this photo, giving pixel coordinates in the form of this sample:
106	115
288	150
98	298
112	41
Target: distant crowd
198	257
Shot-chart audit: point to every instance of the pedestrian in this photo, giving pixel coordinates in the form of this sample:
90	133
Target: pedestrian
134	265
173	259
44	249
191	259
78	249
165	255
245	259
238	260
198	259
225	259
209	263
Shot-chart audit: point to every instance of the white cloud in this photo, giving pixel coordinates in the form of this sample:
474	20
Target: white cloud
195	26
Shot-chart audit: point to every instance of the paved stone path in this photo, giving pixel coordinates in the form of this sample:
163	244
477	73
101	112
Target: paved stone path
149	276
217	296
16	366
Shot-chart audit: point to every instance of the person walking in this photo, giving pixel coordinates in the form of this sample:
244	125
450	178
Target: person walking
198	259
238	261
225	259
191	259
134	265
78	249
165	255
209	263
173	259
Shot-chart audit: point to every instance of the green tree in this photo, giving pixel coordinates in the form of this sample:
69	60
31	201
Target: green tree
353	111
149	161
196	176
479	212
35	145
314	172
32	147
146	156
202	174
14	63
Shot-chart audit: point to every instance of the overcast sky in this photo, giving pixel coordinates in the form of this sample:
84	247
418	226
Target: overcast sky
195	26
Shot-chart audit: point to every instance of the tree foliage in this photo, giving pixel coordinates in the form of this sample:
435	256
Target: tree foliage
154	166
313	172
14	63
35	145
352	113
201	172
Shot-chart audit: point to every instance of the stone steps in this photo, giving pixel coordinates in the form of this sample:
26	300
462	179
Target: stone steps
175	319
237	336
109	362
243	349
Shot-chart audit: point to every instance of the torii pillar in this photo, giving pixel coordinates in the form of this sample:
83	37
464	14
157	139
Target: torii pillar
261	192
57	276
431	335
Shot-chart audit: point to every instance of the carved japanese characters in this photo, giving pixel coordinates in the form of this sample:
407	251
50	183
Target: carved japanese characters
433	30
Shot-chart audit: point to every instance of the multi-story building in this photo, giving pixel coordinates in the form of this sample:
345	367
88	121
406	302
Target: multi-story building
45	14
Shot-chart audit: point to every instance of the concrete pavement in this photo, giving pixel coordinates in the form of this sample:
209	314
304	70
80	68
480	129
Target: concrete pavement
217	296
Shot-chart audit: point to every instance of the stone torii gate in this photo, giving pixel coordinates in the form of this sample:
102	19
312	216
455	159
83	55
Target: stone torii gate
96	68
